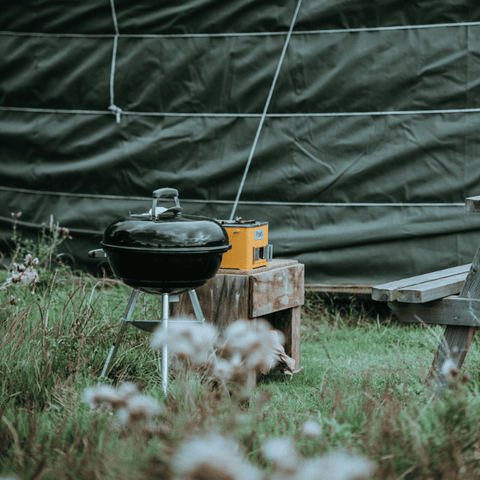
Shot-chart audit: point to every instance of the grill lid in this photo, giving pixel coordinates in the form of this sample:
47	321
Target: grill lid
167	230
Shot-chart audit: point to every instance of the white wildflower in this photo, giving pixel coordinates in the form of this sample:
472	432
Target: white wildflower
187	341
448	366
223	369
311	429
127	390
240	336
29	276
132	408
139	408
282	453
104	397
450	371
63	231
30	261
212	458
13	300
255	343
336	466
23	275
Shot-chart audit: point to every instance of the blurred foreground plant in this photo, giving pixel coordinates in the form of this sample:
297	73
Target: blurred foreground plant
233	358
133	410
229	361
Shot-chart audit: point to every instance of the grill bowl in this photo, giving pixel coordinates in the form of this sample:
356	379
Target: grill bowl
159	271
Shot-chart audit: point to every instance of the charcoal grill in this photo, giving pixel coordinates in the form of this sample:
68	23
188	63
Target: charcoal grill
162	252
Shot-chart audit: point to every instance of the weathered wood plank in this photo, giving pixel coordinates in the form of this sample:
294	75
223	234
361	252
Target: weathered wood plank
272	264
433	290
454	310
387	292
335	288
274	290
472	204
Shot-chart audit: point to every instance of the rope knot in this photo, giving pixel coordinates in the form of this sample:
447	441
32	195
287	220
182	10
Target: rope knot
117	111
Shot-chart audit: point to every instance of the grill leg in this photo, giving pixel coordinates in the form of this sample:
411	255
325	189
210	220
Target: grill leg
165	308
125	319
196	306
165	318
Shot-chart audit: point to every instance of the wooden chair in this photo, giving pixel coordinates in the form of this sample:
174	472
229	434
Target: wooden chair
448	297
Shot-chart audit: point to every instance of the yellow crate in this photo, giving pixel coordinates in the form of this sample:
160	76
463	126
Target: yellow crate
250	247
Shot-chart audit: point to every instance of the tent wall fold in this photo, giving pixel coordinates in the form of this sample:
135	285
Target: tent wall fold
369	147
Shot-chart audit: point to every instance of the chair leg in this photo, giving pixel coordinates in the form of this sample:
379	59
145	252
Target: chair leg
457	339
455	344
125	319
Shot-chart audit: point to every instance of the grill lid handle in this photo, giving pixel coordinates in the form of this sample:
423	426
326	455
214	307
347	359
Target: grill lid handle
164	193
175	211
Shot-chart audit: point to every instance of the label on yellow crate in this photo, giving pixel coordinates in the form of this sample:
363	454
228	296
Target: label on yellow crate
259	234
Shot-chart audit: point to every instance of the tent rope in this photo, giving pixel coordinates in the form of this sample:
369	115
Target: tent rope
229	202
264	114
240	34
388	113
117	111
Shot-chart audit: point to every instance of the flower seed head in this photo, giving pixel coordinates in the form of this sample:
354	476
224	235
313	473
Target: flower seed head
104	397
282	453
139	408
127	390
311	429
190	341
336	466
223	369
13	300
212	458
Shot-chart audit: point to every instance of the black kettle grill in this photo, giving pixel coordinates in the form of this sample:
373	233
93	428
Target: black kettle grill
162	252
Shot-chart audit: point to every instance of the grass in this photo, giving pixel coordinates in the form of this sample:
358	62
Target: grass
363	382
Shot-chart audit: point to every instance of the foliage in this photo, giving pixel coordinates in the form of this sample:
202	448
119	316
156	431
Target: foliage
361	397
33	263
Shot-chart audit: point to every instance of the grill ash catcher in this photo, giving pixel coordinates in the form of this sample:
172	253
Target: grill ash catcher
163	252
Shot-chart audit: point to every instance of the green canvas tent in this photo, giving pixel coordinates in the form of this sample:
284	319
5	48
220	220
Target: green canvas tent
351	127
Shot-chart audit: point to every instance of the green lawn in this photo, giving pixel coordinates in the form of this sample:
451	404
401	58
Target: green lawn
363	383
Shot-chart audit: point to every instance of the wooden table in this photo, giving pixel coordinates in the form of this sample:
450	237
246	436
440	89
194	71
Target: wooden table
448	297
274	293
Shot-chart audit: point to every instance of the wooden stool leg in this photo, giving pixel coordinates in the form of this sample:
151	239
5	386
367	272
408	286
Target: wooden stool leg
288	321
295	329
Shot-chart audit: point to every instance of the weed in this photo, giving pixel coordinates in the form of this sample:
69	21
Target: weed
361	399
32	262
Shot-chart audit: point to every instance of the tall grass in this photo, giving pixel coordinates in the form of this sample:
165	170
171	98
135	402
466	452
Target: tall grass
363	384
